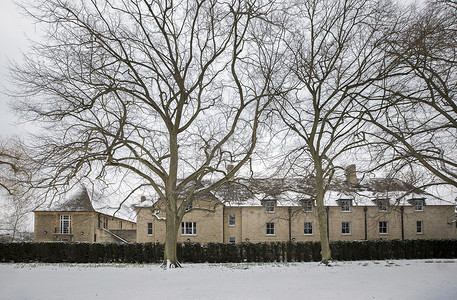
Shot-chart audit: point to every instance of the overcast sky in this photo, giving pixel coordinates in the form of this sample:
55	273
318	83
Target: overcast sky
13	30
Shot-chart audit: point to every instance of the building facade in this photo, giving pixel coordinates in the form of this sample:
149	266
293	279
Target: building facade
202	222
76	220
263	211
382	209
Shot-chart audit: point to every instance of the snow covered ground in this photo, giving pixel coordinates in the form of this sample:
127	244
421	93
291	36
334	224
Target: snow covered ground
396	279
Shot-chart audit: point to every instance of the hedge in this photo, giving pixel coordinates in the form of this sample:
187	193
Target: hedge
226	253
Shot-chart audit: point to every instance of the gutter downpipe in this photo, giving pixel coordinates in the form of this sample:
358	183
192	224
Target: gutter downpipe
365	209
327	209
290	223
223	221
402	211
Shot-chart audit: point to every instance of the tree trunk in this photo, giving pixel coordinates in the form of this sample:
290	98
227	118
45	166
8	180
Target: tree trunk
172	223
170	259
322	220
322	216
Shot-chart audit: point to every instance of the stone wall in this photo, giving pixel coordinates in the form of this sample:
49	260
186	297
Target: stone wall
207	215
84	227
127	234
250	224
47	227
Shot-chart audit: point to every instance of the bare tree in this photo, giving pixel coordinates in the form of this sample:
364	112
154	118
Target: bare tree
16	213
335	55
416	111
9	164
15	181
159	94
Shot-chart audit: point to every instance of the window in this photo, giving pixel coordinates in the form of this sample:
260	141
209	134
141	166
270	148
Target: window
383	227
120	224
308	206
418	205
269	206
346	227
65	223
189	228
232	239
382	205
231	220
271	228
105	222
420	227
345	205
308	228
149	228
190	206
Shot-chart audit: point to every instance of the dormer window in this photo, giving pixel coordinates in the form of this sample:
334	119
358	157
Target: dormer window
307	205
270	206
418	204
345	205
382	204
190	206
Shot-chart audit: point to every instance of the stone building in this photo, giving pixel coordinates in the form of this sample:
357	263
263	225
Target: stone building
263	210
201	223
284	210
76	220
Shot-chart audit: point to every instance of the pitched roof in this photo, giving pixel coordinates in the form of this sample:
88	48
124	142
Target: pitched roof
79	201
289	192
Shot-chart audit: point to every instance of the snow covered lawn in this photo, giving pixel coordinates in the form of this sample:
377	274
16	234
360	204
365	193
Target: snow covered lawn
397	279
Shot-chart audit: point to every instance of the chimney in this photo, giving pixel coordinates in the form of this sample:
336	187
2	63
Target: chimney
351	175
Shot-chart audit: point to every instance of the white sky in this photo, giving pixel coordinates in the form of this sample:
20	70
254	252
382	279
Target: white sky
13	29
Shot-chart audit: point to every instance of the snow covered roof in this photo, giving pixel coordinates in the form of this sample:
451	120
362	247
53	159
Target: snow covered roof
291	192
80	200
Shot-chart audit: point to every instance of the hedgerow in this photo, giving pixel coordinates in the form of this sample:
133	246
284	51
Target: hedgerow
60	252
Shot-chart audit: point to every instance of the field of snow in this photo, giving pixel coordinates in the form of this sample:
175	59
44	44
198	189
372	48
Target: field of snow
396	279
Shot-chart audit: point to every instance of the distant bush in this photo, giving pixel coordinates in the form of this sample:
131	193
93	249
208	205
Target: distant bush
222	253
